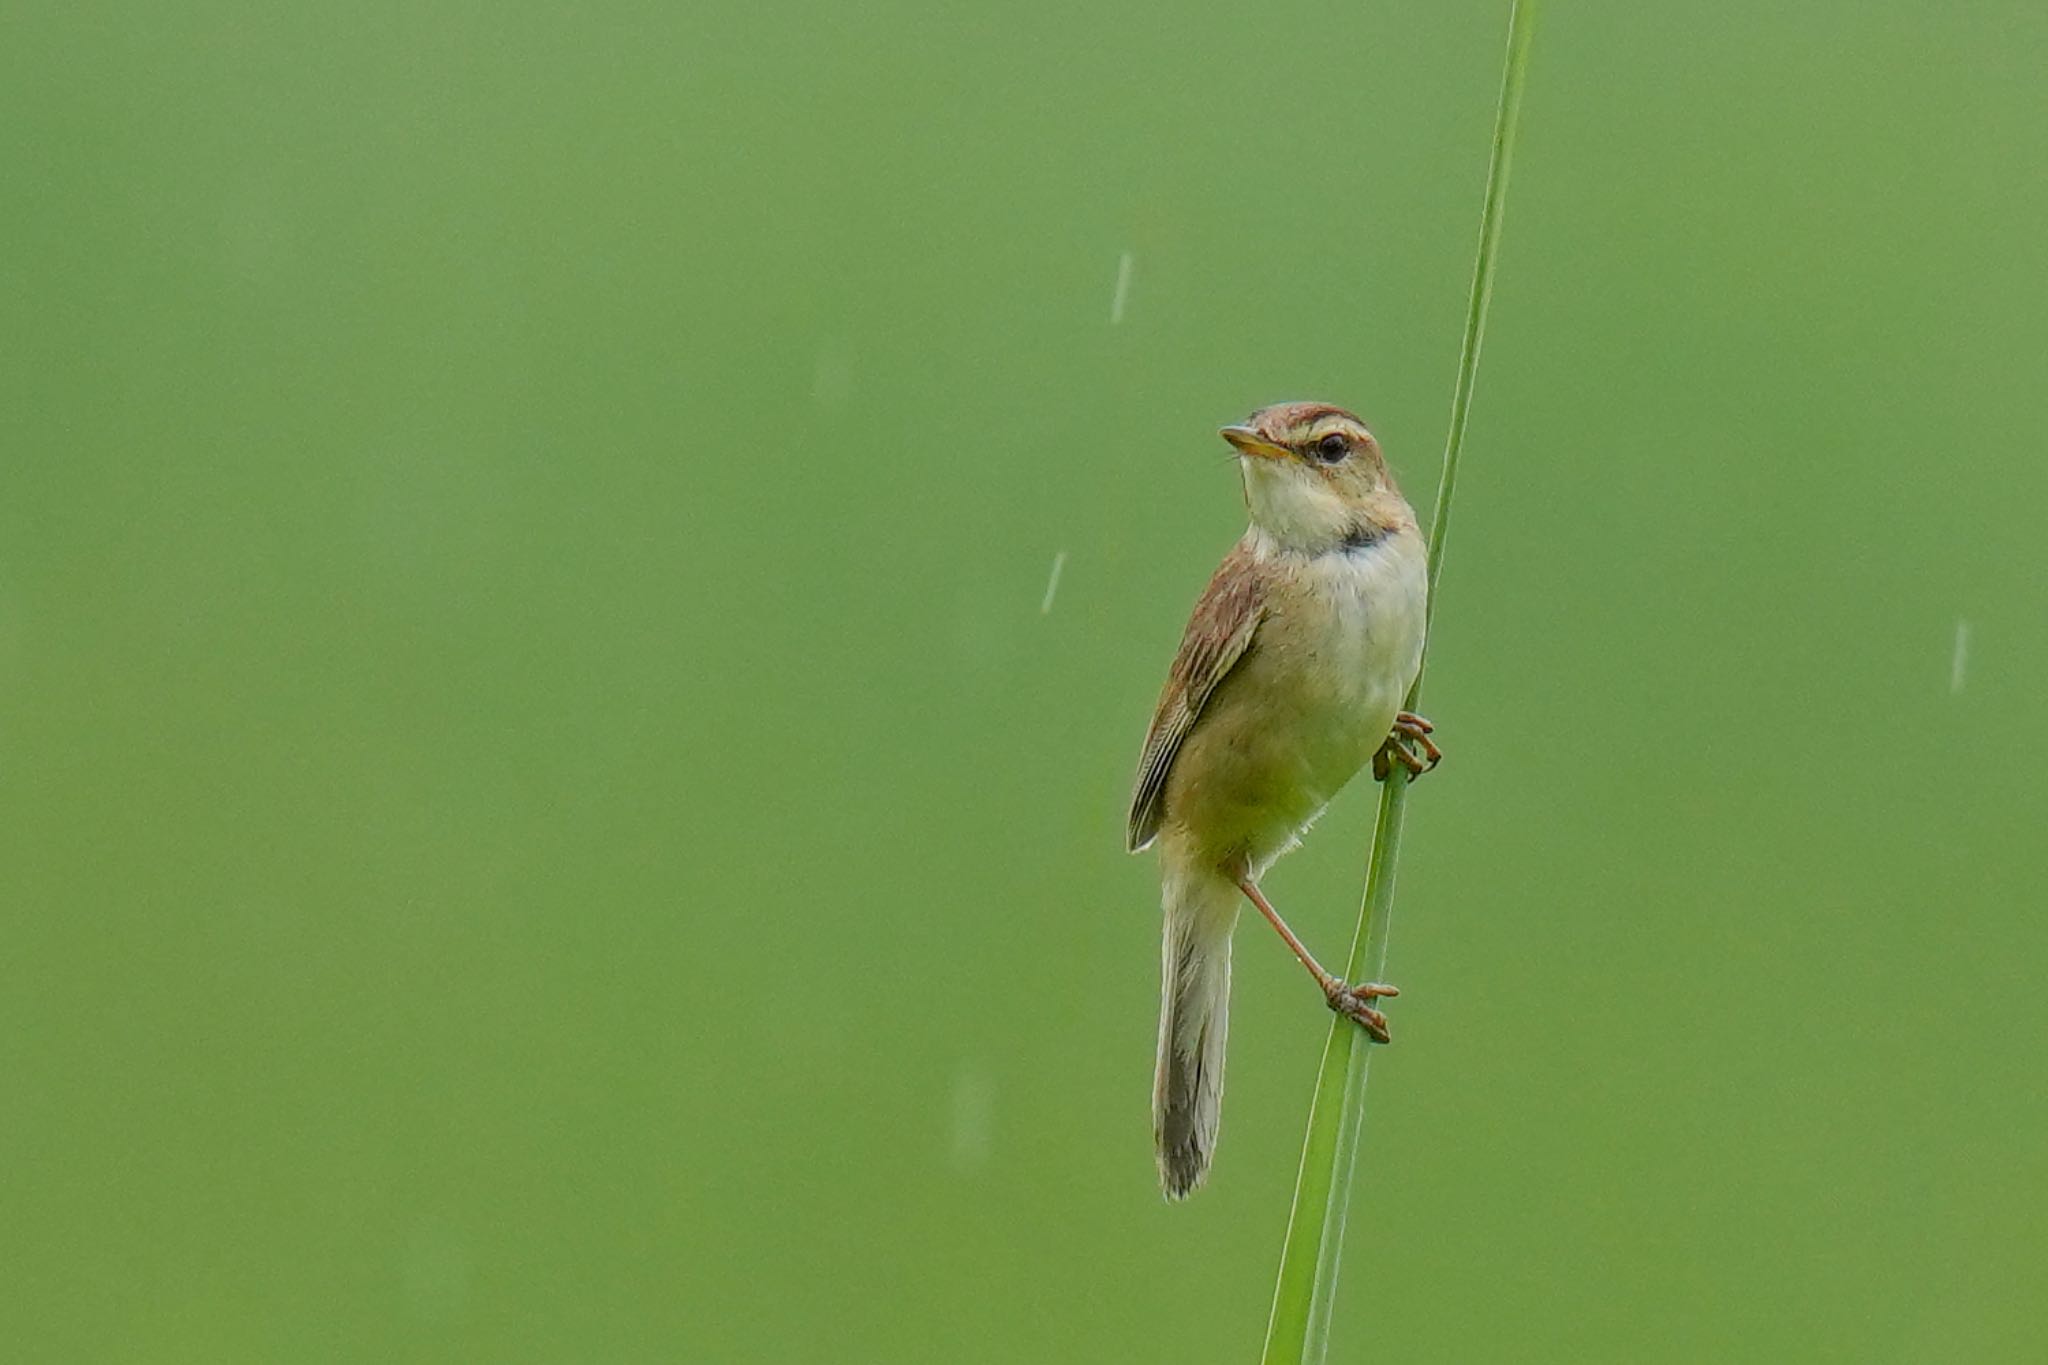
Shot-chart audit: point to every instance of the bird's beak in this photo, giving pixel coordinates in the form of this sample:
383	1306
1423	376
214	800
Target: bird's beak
1249	442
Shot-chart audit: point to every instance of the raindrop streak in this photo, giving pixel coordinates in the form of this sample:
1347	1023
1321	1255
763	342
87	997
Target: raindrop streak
1123	289
1052	585
974	1111
832	379
1962	657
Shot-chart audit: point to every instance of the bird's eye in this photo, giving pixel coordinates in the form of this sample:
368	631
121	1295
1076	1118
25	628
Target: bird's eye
1332	448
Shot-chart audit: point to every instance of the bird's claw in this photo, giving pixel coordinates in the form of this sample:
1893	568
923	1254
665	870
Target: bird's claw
1355	1004
1410	734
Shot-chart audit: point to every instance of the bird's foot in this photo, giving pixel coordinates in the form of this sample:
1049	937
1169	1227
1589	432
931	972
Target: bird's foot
1410	745
1355	1004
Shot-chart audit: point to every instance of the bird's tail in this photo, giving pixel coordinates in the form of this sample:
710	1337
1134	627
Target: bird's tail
1194	1019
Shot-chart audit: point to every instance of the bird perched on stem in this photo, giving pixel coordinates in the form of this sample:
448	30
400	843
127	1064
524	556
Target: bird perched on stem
1289	679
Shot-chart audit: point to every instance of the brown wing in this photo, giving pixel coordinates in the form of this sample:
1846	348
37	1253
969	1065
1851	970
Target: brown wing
1218	634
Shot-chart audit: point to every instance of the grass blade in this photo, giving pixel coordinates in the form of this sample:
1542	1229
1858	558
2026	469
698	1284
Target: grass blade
1298	1332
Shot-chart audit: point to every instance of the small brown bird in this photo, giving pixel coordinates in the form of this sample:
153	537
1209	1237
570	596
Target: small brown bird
1290	678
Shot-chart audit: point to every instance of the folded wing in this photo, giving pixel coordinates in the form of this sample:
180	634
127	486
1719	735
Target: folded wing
1219	633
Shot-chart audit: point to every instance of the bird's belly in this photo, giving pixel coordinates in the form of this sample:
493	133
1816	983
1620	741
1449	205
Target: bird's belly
1295	723
1287	765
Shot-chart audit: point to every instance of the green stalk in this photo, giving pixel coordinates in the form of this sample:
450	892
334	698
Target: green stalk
1298	1332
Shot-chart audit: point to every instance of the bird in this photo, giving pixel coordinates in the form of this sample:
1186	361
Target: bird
1291	676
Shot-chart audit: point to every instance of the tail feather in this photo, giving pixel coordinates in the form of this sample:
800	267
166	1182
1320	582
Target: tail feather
1194	1023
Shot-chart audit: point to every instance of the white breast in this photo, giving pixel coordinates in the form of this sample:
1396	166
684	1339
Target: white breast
1370	637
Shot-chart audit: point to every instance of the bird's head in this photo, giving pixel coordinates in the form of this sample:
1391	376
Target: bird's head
1314	478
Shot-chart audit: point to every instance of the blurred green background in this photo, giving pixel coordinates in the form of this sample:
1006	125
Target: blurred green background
544	819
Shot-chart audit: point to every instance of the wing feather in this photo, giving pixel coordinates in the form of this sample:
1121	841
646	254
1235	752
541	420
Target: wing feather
1219	632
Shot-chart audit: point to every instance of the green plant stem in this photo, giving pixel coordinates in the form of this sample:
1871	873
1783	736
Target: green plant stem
1298	1332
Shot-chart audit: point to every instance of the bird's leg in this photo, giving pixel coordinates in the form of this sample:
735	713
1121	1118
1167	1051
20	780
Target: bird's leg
1353	1002
1409	729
